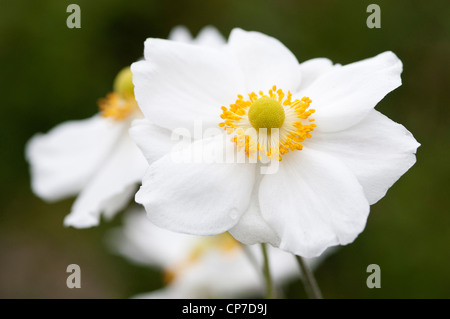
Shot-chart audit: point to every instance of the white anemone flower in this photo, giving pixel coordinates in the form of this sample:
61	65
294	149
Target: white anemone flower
200	266
95	158
335	154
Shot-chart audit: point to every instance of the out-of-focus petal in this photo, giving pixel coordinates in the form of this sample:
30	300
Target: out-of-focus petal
63	160
111	187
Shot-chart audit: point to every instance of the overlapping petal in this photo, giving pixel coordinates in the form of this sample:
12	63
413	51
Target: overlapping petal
154	141
313	69
265	61
344	96
252	228
313	202
179	84
377	150
193	191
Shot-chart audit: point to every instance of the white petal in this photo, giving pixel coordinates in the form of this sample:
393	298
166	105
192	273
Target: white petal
265	61
251	228
313	202
344	96
201	197
154	141
180	84
313	69
377	150
210	37
111	188
181	34
63	160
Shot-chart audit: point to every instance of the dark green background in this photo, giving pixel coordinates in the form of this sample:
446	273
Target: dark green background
50	74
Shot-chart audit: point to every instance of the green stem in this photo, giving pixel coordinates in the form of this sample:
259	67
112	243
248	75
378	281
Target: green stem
266	271
311	287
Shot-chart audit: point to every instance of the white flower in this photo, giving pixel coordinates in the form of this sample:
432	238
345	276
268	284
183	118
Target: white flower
332	168
200	266
95	158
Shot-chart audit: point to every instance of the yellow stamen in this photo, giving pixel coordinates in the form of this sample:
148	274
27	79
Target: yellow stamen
121	103
123	83
253	123
116	106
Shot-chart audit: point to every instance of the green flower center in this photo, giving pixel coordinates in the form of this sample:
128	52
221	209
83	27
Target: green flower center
266	112
123	83
120	103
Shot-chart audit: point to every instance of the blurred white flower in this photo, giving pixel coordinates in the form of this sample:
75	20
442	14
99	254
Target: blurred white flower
337	155
95	158
200	266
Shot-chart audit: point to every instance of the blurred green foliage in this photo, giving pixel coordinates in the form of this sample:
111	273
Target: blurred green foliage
52	74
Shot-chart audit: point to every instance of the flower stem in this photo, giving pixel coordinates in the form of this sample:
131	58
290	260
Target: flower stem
311	287
266	271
